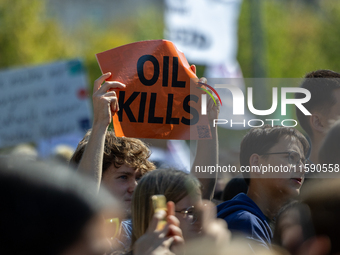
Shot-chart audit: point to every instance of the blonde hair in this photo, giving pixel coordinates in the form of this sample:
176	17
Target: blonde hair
173	184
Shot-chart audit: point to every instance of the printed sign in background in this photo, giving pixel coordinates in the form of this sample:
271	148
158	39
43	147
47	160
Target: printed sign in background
205	30
43	102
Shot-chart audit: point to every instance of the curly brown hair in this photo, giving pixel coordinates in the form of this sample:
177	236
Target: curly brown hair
119	151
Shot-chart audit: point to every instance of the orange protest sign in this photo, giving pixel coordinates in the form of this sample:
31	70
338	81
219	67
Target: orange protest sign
157	101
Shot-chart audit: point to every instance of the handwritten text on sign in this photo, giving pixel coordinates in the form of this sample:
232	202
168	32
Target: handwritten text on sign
43	102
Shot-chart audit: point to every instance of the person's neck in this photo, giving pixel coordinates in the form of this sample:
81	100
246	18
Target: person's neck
316	143
268	202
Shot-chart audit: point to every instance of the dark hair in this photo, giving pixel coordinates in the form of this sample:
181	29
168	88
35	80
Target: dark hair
304	221
320	84
323	199
118	151
330	149
235	186
261	139
277	236
44	208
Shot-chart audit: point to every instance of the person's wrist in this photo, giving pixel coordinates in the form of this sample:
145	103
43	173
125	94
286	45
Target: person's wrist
100	126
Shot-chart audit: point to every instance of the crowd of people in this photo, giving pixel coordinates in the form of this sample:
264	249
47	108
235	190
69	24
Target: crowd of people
102	203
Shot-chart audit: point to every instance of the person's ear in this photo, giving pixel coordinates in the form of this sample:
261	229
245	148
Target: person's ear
316	121
318	245
254	159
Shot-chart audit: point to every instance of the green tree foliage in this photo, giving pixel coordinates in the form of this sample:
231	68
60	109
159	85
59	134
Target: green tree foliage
299	38
146	25
27	36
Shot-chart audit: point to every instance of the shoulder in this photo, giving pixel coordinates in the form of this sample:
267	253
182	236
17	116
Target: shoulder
242	220
250	225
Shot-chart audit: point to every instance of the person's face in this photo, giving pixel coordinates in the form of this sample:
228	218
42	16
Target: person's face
289	182
121	182
189	229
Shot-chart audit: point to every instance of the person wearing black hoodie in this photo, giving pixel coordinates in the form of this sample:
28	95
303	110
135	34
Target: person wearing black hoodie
272	163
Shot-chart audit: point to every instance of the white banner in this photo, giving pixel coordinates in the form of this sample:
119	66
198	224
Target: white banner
205	30
43	102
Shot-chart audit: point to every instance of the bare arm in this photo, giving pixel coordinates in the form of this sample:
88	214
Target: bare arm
105	104
207	154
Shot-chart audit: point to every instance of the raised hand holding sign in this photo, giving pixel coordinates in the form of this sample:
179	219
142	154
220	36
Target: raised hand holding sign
157	101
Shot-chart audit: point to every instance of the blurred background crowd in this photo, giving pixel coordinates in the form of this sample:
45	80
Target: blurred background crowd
268	39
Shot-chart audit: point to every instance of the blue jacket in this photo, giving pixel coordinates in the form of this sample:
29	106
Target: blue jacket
243	215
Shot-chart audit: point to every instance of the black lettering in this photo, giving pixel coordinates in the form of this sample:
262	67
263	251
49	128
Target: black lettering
169	119
140	69
190	110
175	83
142	107
165	71
152	108
126	106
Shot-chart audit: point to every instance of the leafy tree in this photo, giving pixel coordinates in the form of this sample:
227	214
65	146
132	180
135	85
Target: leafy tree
27	36
299	38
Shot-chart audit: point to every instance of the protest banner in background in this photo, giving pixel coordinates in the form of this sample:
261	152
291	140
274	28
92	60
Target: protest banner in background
43	102
157	102
205	30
